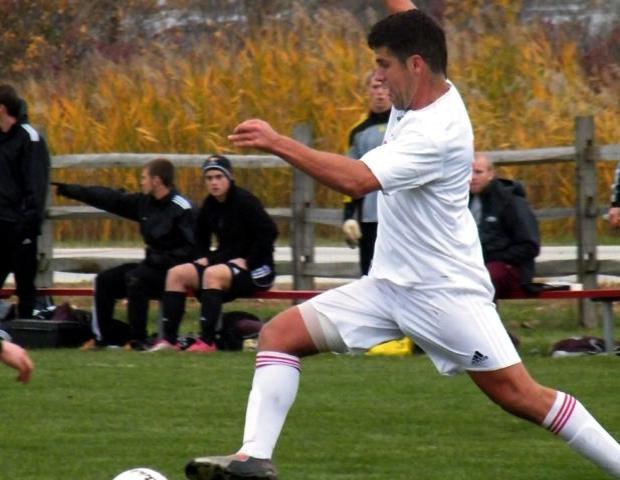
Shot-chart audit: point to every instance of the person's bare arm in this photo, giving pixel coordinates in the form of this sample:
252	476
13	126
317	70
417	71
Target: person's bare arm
395	6
335	171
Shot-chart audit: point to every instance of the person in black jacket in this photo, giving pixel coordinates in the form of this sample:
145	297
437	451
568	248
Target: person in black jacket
239	264
166	224
24	176
360	214
507	226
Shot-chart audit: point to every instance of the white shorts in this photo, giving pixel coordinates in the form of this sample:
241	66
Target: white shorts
459	329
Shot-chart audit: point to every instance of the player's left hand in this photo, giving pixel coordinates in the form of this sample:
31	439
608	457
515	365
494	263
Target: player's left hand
254	133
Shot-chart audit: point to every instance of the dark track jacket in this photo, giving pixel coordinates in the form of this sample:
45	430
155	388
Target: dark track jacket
241	227
508	228
166	225
24	176
365	136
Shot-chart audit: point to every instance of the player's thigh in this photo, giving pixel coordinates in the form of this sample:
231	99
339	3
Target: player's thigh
361	312
458	328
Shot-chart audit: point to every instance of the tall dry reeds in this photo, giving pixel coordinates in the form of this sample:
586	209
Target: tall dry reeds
522	91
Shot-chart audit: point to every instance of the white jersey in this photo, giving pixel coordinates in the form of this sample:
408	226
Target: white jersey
426	233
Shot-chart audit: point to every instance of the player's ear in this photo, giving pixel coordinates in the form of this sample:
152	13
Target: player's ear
415	63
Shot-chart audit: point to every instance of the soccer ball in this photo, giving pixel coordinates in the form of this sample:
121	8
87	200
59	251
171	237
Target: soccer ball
140	473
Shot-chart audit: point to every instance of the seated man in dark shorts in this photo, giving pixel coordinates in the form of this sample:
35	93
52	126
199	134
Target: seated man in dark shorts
241	263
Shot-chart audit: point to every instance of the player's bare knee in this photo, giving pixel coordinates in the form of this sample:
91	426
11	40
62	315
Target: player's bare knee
287	333
214	277
172	278
181	277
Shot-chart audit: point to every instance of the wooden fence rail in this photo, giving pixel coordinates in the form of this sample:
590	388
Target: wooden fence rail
303	215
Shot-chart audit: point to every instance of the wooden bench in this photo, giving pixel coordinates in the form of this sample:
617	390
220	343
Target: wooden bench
606	297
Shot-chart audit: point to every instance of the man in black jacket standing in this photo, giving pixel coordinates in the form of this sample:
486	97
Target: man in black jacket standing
166	225
239	264
360	214
24	174
507	226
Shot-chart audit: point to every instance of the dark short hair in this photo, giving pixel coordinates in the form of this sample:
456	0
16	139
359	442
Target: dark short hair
10	99
412	33
162	168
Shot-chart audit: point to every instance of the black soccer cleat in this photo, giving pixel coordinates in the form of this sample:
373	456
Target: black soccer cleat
231	467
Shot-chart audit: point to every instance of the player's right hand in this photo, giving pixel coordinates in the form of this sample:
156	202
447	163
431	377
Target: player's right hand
352	232
254	133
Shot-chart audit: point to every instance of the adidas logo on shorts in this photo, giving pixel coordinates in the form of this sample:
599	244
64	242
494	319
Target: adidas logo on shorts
478	359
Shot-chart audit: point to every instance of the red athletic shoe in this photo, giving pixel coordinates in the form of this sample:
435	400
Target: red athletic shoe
199	346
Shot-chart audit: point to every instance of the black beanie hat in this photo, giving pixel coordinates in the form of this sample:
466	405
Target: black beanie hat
218	162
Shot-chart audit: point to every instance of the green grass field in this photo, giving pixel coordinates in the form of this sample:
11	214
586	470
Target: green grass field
90	415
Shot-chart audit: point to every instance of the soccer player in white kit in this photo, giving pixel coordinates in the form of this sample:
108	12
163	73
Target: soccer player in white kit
428	279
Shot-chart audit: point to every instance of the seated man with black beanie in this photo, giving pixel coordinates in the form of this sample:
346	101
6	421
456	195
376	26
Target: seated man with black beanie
240	264
167	227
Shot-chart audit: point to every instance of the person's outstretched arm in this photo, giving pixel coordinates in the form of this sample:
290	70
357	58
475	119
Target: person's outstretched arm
395	6
16	357
335	171
118	202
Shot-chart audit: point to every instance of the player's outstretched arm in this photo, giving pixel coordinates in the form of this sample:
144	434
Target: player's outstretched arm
335	171
395	6
16	357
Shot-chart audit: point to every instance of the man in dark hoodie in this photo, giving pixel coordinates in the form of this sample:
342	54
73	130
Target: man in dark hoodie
507	226
24	174
238	264
166	224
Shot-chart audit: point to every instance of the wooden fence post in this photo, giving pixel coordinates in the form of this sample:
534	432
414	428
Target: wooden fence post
302	231
45	242
587	212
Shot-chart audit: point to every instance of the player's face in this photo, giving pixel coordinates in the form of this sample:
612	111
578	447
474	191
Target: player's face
379	96
217	184
146	182
396	77
481	175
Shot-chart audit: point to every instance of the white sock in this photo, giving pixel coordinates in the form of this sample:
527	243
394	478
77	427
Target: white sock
571	421
274	388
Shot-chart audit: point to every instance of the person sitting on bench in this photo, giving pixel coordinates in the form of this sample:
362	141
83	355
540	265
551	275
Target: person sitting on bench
241	263
167	226
507	227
